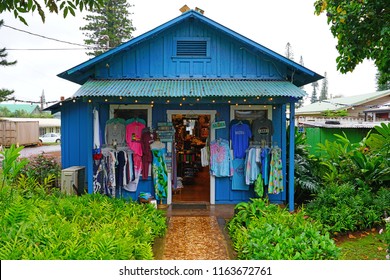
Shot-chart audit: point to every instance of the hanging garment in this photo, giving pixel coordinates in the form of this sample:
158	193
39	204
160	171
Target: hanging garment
146	140
96	152
220	158
238	178
240	134
160	173
137	167
252	165
115	132
275	185
262	130
133	136
204	156
265	155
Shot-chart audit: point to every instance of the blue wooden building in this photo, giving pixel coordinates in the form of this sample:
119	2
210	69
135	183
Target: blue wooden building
188	66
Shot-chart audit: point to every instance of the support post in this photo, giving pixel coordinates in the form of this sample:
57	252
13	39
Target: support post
291	158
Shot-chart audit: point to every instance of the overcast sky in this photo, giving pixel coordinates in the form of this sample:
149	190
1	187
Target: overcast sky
269	23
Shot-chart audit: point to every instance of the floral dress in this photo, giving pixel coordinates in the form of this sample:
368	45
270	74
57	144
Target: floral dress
160	174
276	175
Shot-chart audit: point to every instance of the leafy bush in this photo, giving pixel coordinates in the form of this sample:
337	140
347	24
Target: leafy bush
343	208
11	164
387	238
36	226
305	179
40	167
381	201
265	231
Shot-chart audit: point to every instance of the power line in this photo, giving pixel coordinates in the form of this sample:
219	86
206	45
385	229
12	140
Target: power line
45	37
59	49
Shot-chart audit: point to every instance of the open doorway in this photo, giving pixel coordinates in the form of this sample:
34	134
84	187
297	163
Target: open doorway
192	177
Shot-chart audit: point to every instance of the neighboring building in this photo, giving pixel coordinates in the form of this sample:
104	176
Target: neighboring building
356	106
28	108
380	113
363	113
190	67
46	125
321	131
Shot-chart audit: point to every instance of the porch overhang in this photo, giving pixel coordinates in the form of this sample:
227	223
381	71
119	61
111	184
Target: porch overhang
200	88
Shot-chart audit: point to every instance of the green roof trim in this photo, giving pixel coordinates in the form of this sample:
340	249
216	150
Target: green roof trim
188	88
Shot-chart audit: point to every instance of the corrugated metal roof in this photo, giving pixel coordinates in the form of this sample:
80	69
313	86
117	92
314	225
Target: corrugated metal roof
43	122
341	103
188	88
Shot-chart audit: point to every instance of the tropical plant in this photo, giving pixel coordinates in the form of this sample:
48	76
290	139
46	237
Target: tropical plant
41	167
305	169
379	140
12	165
262	231
343	208
36	226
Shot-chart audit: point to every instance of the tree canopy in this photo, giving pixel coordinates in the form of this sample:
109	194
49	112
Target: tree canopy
108	26
20	7
362	28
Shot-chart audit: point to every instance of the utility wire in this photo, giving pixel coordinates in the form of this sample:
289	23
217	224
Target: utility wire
45	37
60	49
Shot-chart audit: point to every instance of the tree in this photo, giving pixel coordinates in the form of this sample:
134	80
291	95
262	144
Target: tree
380	85
109	26
4	62
289	51
301	101
324	88
362	28
19	7
314	98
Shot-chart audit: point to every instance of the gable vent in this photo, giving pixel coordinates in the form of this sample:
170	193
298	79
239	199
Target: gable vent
191	48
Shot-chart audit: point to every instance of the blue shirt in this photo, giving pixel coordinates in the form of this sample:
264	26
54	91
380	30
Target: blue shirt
240	134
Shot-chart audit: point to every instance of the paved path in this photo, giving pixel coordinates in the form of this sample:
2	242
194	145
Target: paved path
195	238
31	151
196	234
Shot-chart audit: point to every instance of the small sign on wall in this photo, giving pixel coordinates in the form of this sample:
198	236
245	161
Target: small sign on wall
218	125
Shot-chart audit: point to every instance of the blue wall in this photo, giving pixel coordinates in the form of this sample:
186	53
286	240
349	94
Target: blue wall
156	58
77	128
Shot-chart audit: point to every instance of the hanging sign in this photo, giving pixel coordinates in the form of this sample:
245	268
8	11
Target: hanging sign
218	125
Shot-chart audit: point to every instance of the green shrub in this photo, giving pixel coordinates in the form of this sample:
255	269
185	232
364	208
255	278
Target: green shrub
265	231
40	167
35	226
381	201
343	208
387	238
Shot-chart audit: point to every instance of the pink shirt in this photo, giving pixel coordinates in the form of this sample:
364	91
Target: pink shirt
133	136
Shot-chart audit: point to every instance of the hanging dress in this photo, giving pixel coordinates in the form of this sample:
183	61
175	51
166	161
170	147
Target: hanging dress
160	173
276	175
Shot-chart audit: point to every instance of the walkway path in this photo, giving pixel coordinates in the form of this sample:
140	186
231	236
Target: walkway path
197	234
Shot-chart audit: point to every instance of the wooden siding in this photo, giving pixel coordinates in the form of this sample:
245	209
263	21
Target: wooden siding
157	58
79	154
76	137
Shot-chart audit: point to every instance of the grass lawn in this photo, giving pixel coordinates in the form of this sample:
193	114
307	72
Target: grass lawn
364	245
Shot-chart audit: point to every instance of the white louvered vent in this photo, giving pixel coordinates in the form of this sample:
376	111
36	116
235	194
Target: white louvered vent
191	48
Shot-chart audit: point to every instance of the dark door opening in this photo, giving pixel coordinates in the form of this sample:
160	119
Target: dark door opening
193	179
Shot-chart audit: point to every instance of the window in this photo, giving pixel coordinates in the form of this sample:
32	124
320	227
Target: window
132	111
